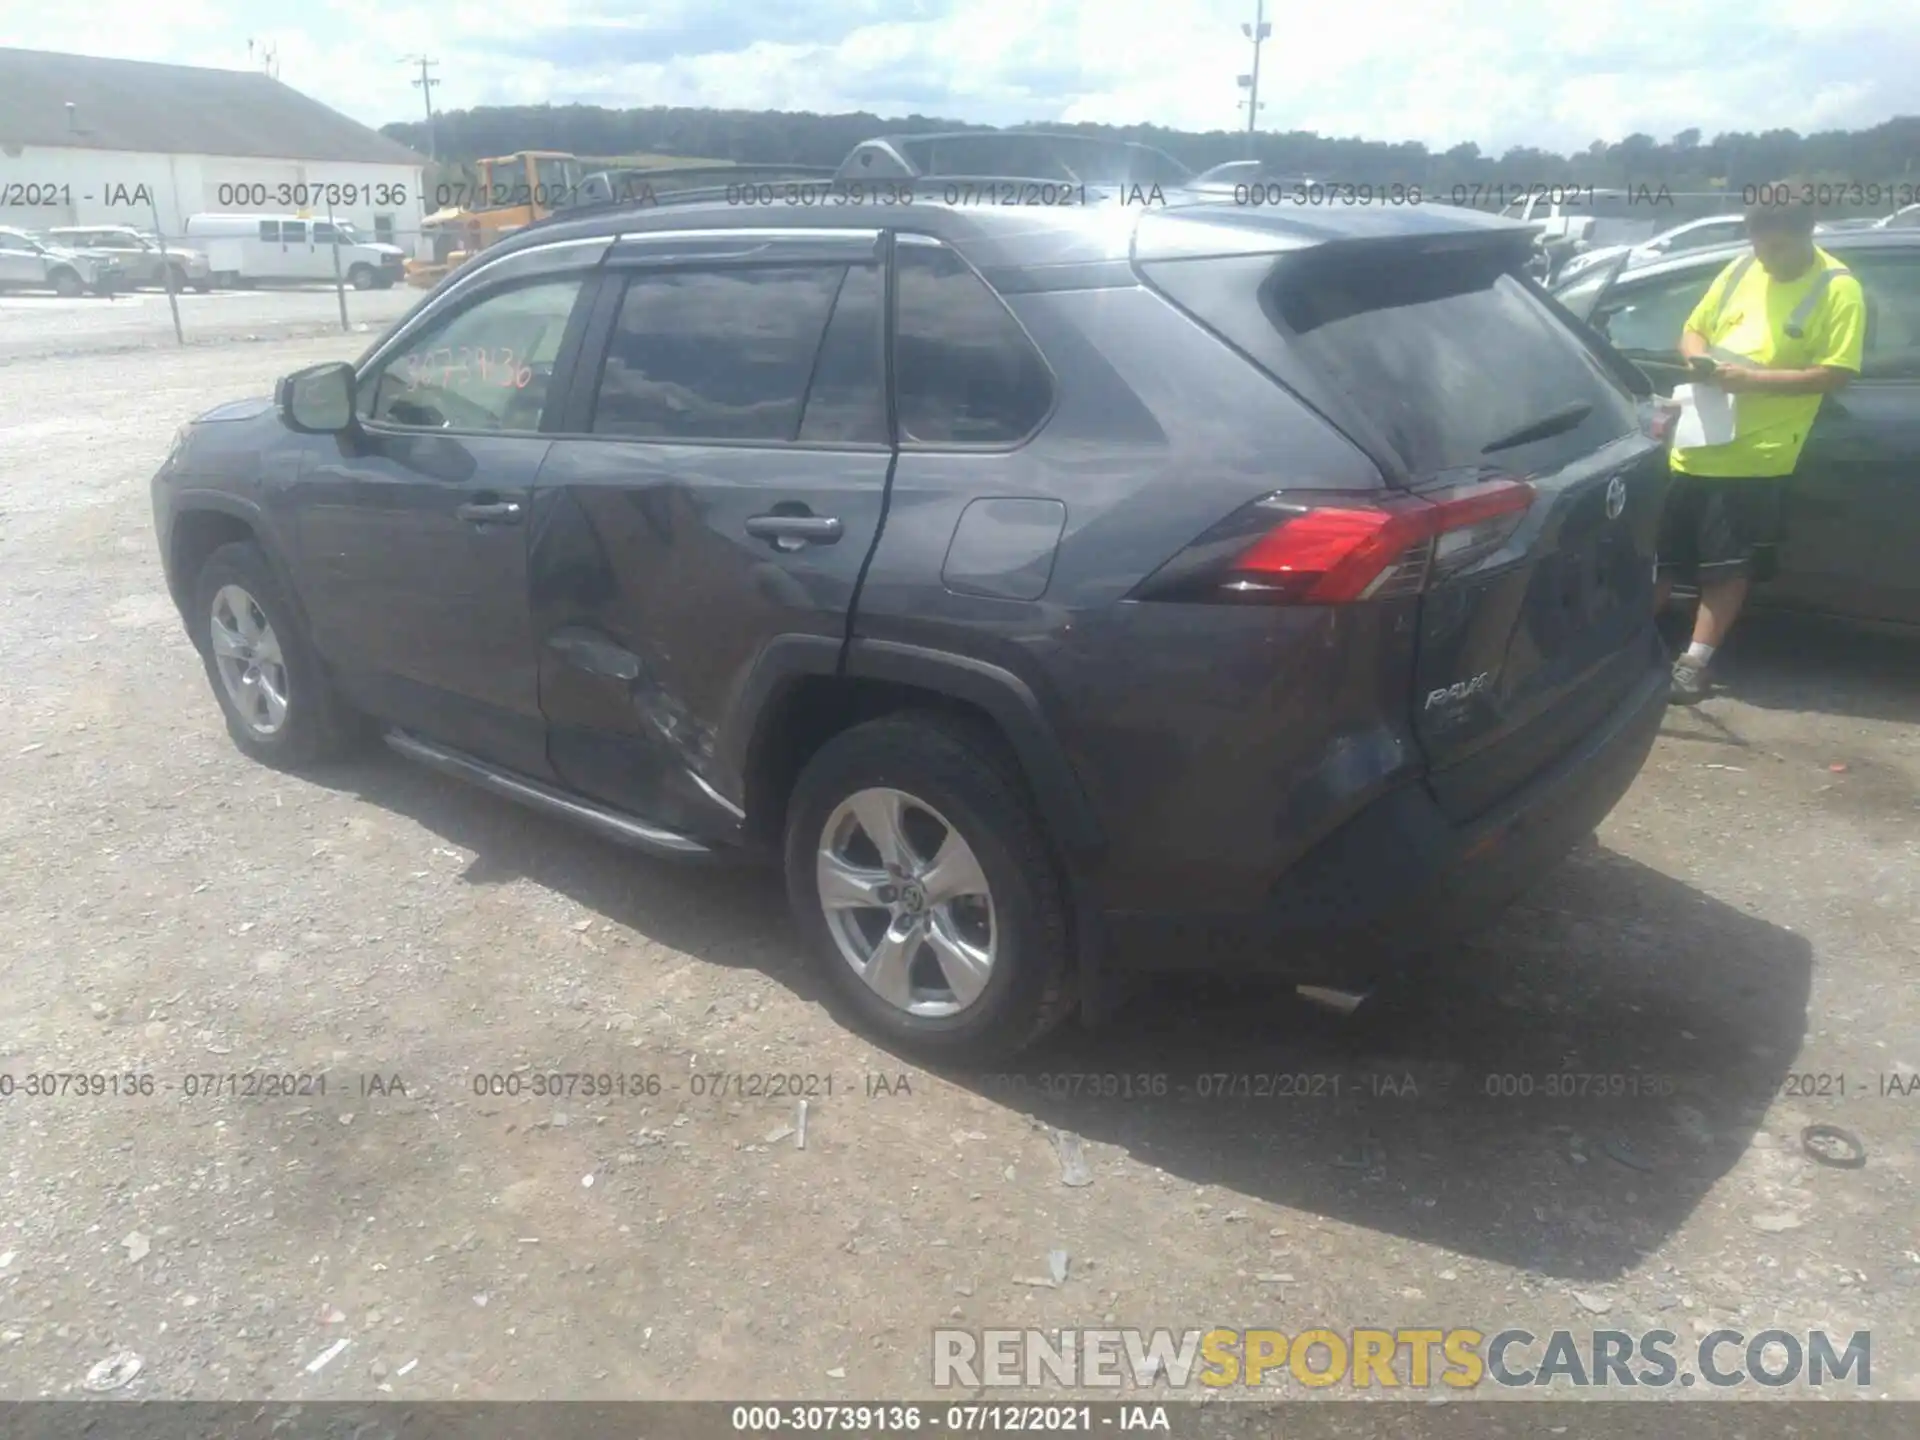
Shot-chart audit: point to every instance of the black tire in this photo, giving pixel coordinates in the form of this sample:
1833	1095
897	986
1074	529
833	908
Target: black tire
179	278
66	284
319	725
964	773
361	277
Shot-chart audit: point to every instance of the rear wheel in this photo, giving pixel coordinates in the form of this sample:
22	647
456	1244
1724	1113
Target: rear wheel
279	705
361	277
925	888
178	275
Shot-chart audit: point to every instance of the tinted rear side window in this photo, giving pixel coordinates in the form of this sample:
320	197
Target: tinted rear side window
720	354
847	402
1447	356
966	372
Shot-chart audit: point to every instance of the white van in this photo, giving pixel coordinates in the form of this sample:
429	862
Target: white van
247	249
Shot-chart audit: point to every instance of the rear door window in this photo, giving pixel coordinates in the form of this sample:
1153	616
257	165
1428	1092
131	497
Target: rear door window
847	401
1447	356
270	230
716	354
965	370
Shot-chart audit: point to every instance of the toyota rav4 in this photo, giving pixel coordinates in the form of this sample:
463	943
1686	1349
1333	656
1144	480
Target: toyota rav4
1055	591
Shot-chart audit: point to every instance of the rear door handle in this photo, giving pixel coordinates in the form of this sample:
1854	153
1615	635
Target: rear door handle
490	512
790	532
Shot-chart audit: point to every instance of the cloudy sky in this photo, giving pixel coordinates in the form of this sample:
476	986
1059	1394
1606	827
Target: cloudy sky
1552	73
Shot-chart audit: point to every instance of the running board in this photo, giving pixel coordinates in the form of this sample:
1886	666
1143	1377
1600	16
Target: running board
621	829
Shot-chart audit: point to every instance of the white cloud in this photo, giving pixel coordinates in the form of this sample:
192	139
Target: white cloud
1553	73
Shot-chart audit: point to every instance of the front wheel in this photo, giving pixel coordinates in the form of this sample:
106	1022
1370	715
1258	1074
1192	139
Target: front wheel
361	277
926	890
279	704
66	284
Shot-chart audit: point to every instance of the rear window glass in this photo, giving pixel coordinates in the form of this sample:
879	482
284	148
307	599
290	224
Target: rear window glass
1447	357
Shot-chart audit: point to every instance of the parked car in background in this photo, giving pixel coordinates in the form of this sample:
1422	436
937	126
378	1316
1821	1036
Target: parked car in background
1906	219
1050	590
1704	234
141	259
30	263
247	250
1573	219
1852	534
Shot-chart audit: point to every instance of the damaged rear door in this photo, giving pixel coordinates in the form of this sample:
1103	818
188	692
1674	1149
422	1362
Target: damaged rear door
717	490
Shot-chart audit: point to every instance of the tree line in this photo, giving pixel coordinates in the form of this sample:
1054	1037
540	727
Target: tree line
1686	163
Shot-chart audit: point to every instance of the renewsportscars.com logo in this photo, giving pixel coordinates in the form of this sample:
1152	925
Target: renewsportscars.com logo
1365	1359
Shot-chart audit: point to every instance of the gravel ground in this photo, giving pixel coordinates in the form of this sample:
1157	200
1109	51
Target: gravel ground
44	327
1746	916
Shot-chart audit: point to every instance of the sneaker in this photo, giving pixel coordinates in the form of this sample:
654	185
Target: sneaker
1689	682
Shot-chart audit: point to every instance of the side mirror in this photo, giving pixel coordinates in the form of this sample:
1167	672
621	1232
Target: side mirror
317	400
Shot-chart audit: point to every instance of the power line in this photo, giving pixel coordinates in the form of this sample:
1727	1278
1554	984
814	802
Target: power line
425	85
1257	32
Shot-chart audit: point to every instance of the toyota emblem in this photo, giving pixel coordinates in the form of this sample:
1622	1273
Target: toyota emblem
1616	497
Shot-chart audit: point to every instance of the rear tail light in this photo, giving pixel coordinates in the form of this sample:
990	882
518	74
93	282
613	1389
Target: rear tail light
1301	548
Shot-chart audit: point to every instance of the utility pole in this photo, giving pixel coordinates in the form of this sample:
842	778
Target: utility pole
1257	32
425	85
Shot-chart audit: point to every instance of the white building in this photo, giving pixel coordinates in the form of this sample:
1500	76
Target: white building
111	142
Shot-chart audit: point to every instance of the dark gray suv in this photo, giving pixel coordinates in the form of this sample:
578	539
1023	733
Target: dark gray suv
1057	588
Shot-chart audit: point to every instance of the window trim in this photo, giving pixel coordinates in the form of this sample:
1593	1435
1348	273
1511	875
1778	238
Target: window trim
565	359
620	272
916	239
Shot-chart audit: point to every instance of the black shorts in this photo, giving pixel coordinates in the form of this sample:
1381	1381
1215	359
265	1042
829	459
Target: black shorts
1716	528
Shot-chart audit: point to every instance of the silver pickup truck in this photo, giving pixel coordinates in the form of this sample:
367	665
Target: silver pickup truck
141	259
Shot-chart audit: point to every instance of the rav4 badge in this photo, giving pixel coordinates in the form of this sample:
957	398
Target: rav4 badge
1459	690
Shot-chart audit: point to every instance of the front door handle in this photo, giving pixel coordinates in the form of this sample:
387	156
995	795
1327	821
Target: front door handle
790	532
490	512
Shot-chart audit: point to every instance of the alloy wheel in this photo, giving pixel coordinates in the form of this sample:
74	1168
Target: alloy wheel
251	666
906	901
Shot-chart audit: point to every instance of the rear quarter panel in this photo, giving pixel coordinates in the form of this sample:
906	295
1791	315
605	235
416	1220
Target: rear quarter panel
1213	742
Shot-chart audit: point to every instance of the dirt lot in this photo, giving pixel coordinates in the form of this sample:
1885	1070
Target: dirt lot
45	327
1747	916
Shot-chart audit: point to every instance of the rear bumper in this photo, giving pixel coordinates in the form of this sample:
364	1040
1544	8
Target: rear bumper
1400	879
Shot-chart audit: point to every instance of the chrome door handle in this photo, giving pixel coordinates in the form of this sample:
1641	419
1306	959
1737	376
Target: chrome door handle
496	512
790	532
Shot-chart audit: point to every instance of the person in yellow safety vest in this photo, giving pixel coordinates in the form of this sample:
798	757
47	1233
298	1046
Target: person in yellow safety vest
1778	330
